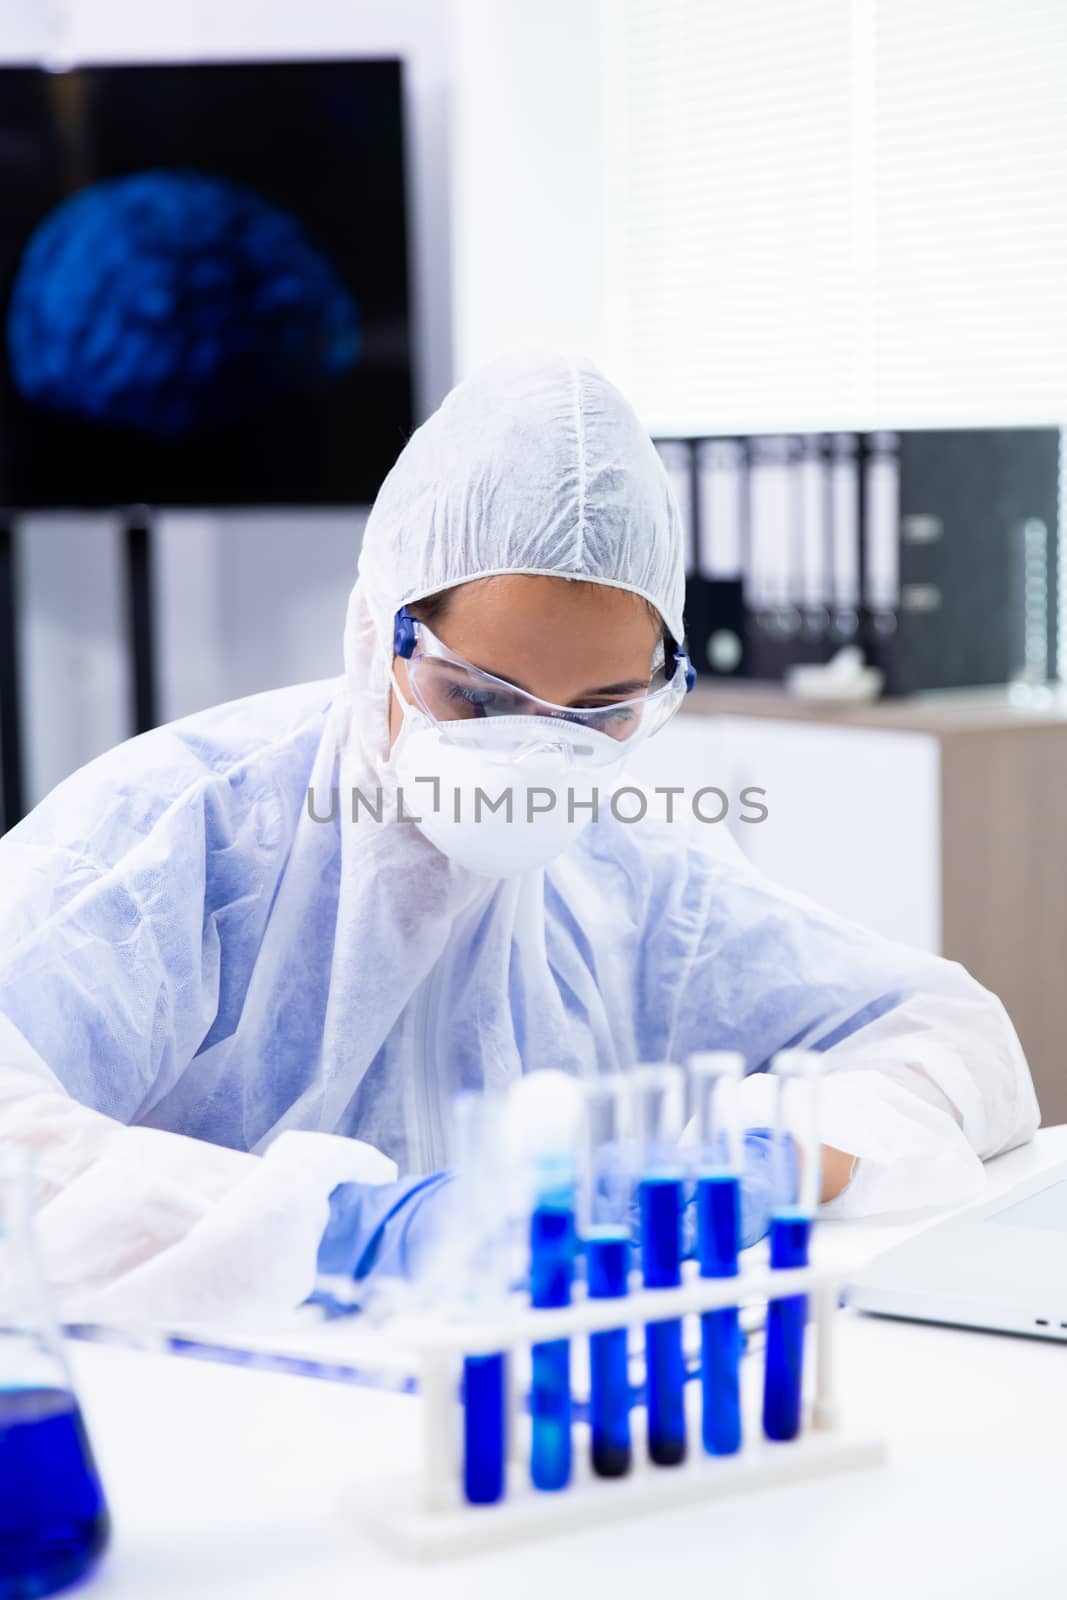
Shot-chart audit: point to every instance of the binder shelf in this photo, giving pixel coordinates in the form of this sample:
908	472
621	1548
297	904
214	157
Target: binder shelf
935	551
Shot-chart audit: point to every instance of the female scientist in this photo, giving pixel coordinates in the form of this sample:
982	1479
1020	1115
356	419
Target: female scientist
237	981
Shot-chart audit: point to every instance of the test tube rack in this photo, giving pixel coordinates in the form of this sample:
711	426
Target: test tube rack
426	1517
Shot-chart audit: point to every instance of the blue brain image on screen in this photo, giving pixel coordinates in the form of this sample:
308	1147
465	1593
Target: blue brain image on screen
172	301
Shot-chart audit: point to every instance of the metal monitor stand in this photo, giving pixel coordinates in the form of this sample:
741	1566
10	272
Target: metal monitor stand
141	635
11	779
141	618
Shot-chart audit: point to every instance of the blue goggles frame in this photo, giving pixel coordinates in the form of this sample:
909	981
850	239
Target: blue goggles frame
404	638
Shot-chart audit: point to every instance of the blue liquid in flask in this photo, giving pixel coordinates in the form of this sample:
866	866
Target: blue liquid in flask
53	1516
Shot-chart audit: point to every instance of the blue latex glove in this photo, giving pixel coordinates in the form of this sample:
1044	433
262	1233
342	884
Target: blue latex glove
761	1188
389	1229
761	1181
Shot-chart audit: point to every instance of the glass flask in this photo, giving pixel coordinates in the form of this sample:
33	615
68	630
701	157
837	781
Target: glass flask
53	1514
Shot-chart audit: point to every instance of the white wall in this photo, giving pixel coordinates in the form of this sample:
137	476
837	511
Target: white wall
528	178
245	601
854	814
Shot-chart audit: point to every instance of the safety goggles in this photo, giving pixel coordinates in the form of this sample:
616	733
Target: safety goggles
449	689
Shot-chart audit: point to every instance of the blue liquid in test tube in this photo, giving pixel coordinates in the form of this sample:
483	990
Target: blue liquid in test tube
786	1319
661	1260
484	1400
715	1076
796	1132
661	1199
719	1220
608	1268
606	1204
551	1276
481	1186
545	1110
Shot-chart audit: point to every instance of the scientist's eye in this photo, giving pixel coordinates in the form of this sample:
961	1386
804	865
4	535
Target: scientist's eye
479	702
618	721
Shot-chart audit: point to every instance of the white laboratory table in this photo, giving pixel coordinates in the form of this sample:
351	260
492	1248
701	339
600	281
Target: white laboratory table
230	1484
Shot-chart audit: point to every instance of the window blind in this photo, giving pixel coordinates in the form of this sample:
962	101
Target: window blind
837	213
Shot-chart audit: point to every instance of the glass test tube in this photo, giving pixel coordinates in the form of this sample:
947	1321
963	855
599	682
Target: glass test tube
715	1077
797	1183
553	1173
480	1143
607	1196
658	1100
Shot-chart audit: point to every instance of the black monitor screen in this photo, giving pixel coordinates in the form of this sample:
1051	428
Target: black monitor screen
203	284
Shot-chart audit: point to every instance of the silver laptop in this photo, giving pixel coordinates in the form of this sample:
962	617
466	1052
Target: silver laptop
1002	1265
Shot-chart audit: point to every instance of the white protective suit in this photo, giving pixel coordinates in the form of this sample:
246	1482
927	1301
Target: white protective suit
214	1008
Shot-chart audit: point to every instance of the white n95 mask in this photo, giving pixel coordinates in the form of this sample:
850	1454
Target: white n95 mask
503	795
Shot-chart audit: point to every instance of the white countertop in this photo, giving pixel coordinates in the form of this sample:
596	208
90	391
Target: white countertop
228	1483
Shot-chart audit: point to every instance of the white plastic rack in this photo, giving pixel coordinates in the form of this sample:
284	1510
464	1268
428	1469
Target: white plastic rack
426	1515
